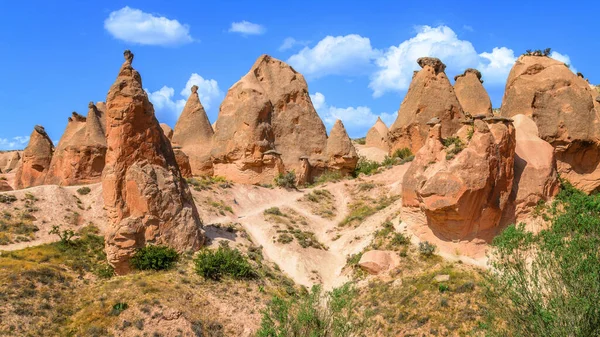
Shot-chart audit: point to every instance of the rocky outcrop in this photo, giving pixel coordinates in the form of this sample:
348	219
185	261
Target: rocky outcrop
429	95
183	161
80	153
36	159
194	134
461	196
535	168
378	261
4	186
9	161
561	105
471	94
341	154
167	130
244	143
146	198
377	136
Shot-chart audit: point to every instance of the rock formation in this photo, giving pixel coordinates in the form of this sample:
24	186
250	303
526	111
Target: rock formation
535	168
561	104
146	198
461	197
244	143
377	136
80	154
183	161
167	130
36	159
9	161
429	95
194	133
378	261
4	186
471	94
341	154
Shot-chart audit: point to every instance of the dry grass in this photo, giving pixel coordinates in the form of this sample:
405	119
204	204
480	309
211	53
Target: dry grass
322	203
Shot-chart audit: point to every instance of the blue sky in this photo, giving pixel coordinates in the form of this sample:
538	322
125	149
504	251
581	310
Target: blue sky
358	57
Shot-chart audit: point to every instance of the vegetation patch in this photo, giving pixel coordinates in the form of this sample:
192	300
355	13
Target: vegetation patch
321	202
453	145
362	209
222	262
286	180
17	226
153	257
84	190
329	176
208	183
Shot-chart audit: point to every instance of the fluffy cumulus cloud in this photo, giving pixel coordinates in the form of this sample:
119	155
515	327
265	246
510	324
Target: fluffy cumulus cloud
15	143
397	64
247	28
134	26
335	55
169	106
357	120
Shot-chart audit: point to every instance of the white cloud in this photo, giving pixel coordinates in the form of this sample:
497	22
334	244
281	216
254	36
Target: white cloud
496	65
247	28
357	120
340	55
396	66
290	42
169	106
18	142
134	26
563	58
208	91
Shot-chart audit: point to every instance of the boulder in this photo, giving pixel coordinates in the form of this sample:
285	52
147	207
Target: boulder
183	161
36	160
535	168
80	153
9	160
471	94
146	199
429	95
461	196
4	186
377	136
194	134
167	130
378	261
244	143
341	154
562	106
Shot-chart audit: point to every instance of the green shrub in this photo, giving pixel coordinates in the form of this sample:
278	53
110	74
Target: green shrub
273	211
456	149
118	308
328	176
402	153
549	282
215	264
7	198
153	257
84	190
317	314
287	180
426	248
366	166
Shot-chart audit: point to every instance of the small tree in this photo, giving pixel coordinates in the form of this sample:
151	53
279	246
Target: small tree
287	180
65	236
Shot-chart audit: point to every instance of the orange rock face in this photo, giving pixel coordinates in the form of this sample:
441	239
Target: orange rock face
535	167
244	144
80	154
562	106
146	198
429	95
9	161
471	94
36	160
462	197
341	154
167	130
4	186
377	136
194	134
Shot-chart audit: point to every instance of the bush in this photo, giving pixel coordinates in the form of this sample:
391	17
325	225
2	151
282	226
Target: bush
287	180
328	176
426	248
402	153
319	314
273	211
366	166
458	146
7	198
118	308
214	264
84	190
361	141
549	281
153	257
